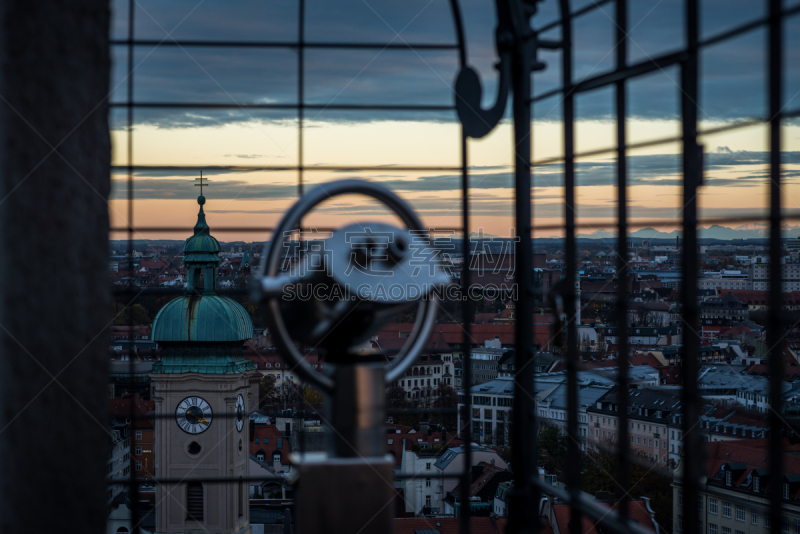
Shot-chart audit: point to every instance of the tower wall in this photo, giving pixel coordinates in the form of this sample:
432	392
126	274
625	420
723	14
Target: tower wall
224	453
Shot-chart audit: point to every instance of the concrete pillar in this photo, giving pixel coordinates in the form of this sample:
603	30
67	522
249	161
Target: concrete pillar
54	285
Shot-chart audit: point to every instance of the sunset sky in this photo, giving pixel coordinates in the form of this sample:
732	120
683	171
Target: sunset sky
733	88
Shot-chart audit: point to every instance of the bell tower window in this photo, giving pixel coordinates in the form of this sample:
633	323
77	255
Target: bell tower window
194	501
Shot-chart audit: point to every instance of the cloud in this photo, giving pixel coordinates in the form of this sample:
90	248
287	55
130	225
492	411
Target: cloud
653	170
731	87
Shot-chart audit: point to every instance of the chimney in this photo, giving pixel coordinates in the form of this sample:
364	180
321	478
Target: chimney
650	511
423	427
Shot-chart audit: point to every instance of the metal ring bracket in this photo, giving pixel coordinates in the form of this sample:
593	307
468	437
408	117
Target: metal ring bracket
270	285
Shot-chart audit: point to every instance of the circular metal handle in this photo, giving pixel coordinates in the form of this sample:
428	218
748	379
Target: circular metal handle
269	286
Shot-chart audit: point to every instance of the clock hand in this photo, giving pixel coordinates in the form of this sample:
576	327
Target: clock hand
202	420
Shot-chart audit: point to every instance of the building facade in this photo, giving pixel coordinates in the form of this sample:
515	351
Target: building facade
735	497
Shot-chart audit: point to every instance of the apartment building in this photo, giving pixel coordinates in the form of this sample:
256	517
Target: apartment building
735	496
726	279
726	308
551	409
649	412
759	273
421	380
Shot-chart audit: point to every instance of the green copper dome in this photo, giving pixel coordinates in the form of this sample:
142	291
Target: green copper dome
202	332
205	318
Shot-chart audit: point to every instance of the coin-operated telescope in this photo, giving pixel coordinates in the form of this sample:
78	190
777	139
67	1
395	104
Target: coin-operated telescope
335	294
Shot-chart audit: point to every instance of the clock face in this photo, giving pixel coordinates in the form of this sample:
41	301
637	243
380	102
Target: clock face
193	415
239	413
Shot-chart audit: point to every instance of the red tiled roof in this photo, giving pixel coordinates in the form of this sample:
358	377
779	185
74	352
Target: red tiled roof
263	357
637	511
414	438
453	333
482	479
158	264
482	318
759	298
753	453
141	409
736	331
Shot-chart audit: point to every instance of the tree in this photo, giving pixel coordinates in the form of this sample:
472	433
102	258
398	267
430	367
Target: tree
294	392
396	399
641	316
553	450
500	434
267	391
311	395
445	397
601	467
134	314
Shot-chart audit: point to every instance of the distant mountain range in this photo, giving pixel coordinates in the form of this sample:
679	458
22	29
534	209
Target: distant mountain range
745	231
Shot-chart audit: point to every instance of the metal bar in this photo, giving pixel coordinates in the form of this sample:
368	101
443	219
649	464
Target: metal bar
466	319
597	512
662	141
226	480
774	312
250	229
523	512
134	490
417	411
673	223
693	458
623	73
340	168
420	411
623	447
595	4
665	60
283	44
620	73
573	404
301	16
333	107
641	223
746	27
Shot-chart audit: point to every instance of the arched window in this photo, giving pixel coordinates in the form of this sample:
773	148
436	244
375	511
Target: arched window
260	455
276	456
123	530
194	501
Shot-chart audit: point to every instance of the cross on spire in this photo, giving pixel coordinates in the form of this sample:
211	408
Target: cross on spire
201	184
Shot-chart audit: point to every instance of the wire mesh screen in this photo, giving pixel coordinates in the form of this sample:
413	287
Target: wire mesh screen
630	124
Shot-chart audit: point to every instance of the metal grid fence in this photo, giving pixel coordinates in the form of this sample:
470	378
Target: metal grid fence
523	511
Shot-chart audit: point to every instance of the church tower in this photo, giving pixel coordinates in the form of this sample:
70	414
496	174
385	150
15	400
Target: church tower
202	396
246	264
